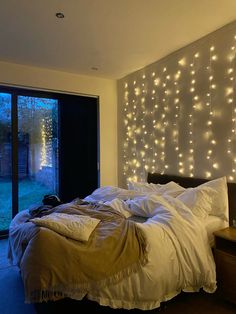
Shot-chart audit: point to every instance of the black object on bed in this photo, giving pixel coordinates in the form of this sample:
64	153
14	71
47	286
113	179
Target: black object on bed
193	182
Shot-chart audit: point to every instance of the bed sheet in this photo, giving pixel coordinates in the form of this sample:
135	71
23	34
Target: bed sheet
212	224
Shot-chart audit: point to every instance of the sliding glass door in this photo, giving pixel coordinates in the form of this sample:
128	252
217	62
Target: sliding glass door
37	149
5	161
37	130
28	152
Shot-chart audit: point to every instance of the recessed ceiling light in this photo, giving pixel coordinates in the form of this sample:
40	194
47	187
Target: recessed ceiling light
60	15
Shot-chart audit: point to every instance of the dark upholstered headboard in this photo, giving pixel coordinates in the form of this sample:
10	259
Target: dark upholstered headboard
192	182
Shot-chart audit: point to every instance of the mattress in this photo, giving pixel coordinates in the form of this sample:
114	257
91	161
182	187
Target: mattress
212	224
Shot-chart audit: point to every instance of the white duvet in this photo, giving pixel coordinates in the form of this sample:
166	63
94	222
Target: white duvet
180	258
179	255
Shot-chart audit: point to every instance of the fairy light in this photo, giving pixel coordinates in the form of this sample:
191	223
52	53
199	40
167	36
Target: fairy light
155	113
209	123
155	141
126	128
163	124
195	100
177	76
43	161
230	99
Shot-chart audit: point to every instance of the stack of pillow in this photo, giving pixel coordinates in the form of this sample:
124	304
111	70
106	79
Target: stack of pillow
210	198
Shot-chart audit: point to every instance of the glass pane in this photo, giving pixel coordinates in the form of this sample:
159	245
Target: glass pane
37	149
5	162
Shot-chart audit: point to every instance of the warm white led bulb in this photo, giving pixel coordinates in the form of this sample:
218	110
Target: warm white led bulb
208	174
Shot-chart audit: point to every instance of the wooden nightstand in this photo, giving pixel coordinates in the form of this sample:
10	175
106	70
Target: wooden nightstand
225	257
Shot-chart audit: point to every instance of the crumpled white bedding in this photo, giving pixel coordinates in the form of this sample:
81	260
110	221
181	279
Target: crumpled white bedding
180	258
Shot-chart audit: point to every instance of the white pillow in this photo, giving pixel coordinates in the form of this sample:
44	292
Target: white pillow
220	206
108	193
219	200
142	186
77	227
200	200
170	188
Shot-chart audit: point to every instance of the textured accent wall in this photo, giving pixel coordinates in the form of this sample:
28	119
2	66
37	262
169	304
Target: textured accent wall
178	115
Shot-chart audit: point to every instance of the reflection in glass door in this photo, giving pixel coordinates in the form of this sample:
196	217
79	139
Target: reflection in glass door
28	152
29	167
5	161
37	149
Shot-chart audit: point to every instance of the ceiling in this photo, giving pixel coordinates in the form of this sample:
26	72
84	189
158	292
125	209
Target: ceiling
104	38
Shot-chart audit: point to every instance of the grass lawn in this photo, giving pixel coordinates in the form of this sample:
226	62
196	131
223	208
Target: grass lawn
30	192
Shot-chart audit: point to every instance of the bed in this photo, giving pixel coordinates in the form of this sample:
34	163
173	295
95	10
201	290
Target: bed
170	245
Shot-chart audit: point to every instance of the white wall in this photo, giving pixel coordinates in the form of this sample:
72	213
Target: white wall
20	75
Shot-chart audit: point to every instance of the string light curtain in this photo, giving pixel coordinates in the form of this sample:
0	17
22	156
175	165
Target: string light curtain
178	115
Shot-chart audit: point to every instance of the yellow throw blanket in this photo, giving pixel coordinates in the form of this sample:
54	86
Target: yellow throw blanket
54	267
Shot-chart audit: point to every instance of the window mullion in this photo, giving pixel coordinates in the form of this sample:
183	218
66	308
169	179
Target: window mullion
14	115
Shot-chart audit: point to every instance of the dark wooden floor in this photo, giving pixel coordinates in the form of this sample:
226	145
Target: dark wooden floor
185	303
